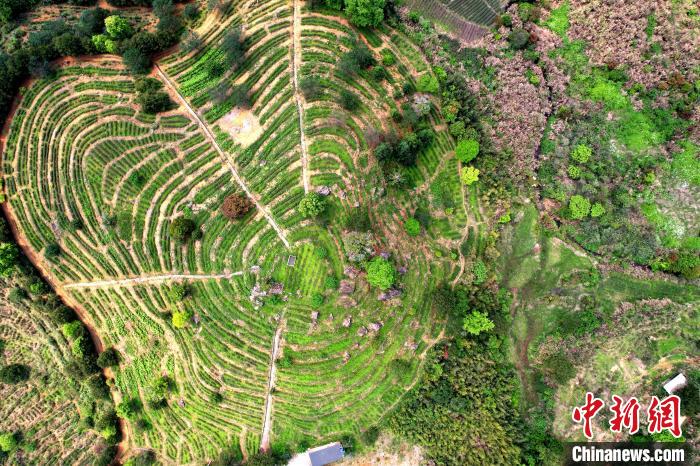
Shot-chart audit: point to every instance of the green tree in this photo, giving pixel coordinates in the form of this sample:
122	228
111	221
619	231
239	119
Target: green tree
104	44
412	226
470	175
13	374
467	149
108	358
365	13
381	273
181	228
117	27
579	207
9	254
182	318
477	322
311	205
8	442
178	292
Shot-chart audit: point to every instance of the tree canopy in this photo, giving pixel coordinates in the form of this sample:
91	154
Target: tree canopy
365	13
381	273
311	205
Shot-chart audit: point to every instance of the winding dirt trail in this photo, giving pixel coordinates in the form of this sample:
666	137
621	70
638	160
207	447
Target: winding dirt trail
212	140
267	421
149	279
298	96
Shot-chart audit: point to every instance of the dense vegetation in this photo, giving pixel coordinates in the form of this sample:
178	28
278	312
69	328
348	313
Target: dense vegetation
303	229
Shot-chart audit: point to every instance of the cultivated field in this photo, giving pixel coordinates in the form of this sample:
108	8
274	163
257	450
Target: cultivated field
244	375
28	337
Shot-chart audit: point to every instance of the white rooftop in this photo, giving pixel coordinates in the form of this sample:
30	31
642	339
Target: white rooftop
675	383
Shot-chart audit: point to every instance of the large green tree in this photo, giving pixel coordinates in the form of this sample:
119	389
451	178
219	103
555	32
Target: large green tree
365	13
381	273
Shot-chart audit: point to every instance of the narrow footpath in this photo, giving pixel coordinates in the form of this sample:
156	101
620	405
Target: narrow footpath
298	96
212	140
267	420
148	279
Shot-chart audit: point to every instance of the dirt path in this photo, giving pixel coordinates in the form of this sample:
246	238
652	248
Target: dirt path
267	421
298	96
149	279
212	140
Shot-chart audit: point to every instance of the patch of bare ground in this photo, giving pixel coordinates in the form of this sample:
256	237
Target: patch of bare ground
242	125
389	452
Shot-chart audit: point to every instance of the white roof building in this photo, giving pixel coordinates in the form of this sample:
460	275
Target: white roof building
319	456
675	383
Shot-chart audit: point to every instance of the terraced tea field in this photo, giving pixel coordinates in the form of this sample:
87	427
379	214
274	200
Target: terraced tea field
85	169
468	19
28	337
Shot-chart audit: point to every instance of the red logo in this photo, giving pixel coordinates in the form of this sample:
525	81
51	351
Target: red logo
587	412
626	415
665	415
661	415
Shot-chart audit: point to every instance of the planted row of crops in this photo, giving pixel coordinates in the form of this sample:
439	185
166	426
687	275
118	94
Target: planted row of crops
85	169
30	338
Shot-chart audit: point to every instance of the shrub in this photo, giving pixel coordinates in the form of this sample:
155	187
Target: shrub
428	83
311	205
108	358
597	210
191	12
348	100
320	252
9	254
331	282
180	319
477	323
579	207
181	228
412	227
16	295
127	409
154	102
137	61
369	437
311	87
466	149
14	373
236	206
480	272
519	38
388	58
381	273
559	368
178	292
469	175
574	172
317	300
581	153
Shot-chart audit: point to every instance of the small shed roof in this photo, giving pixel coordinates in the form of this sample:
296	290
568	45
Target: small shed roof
675	383
291	261
326	454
